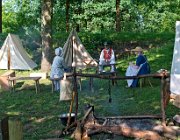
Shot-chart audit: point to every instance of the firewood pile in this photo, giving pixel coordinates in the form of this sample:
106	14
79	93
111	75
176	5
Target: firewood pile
135	127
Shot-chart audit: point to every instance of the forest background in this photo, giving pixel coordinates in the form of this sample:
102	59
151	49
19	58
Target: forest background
126	23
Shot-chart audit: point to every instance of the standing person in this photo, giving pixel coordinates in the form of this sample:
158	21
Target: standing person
140	67
57	68
107	57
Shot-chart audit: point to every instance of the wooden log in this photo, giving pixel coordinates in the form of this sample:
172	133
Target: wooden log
156	75
132	117
125	131
11	129
171	131
15	130
78	133
5	128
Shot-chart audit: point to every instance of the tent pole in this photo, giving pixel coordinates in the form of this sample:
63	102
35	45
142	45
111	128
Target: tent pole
9	59
75	91
75	79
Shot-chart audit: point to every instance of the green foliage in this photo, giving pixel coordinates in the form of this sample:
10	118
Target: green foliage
158	14
94	16
59	17
19	15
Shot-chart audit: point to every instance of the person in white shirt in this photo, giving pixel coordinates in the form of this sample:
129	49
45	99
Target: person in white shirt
107	57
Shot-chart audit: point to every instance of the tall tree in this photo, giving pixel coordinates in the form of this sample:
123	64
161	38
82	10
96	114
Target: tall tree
118	24
46	34
0	16
67	14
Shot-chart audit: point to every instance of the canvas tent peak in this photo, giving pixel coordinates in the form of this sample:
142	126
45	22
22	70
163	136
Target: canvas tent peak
75	54
14	56
175	68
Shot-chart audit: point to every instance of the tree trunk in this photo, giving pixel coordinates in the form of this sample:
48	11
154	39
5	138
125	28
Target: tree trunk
67	15
0	16
118	24
46	34
78	12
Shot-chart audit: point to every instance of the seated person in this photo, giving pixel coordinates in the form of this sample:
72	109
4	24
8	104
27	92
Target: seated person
57	68
141	67
107	57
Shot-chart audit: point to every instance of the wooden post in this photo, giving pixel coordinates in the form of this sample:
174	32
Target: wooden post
162	101
109	90
15	130
70	109
5	128
11	129
75	91
9	58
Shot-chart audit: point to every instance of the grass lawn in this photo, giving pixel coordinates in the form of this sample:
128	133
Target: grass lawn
40	112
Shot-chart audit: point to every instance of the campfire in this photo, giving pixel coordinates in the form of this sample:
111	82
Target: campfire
142	127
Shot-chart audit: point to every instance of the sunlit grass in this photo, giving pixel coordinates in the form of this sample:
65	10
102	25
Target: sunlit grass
40	112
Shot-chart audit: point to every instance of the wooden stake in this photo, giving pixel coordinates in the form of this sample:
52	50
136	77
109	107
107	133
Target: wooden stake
162	101
70	109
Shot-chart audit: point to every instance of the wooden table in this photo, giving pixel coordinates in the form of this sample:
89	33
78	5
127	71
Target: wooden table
13	79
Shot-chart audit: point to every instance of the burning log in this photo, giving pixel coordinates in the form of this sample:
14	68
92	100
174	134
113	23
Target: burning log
122	130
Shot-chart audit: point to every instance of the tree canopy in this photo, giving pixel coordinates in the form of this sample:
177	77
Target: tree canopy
93	15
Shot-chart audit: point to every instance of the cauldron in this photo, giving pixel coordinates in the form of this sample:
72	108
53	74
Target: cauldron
64	118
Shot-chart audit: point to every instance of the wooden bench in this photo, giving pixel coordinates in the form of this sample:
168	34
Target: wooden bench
13	79
4	79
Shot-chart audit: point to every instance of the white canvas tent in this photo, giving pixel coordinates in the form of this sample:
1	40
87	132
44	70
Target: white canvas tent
75	54
175	68
13	55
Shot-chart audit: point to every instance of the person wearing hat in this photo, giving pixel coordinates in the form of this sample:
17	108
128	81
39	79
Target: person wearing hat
140	67
57	68
107	57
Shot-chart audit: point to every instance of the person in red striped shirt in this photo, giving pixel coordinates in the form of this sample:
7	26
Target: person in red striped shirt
107	57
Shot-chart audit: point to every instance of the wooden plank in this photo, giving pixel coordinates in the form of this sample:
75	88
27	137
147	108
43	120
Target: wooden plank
43	75
24	78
